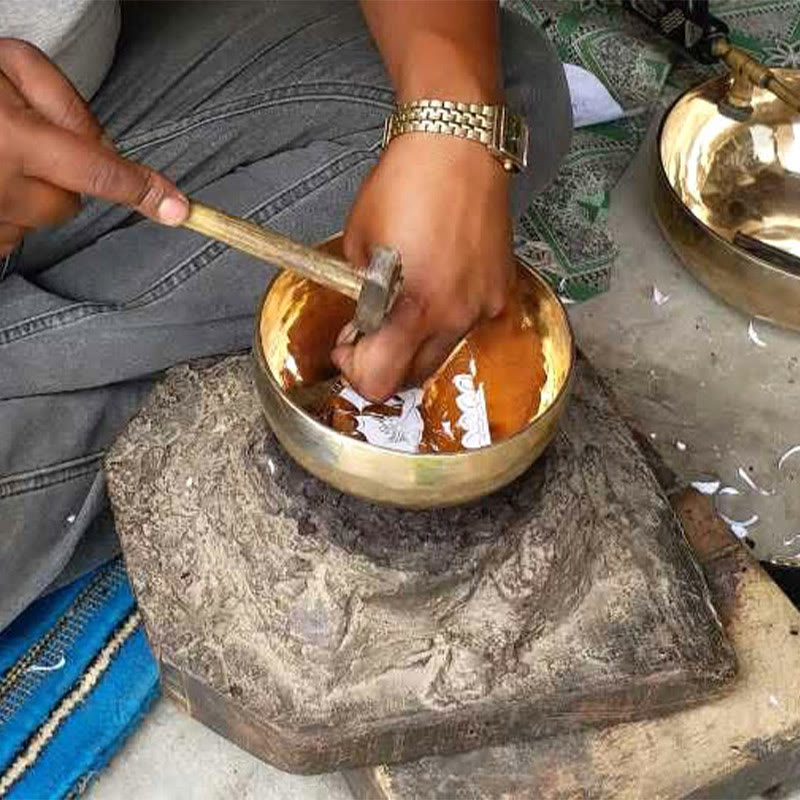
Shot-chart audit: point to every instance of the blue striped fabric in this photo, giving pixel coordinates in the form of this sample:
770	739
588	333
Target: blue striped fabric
43	655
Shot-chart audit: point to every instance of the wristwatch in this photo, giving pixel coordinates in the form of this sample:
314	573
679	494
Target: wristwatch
500	130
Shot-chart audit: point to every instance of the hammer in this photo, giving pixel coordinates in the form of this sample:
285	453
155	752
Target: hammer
374	289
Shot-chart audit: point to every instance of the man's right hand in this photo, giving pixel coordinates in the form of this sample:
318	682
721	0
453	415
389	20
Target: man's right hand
52	149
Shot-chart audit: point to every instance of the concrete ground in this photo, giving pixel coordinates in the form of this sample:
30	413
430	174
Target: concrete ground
173	757
685	373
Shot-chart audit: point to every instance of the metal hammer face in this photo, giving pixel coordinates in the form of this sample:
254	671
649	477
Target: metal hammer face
381	285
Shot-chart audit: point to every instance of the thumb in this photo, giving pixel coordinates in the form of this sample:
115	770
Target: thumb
87	167
378	364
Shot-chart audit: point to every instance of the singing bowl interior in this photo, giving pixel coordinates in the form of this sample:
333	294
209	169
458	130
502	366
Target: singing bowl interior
405	479
717	176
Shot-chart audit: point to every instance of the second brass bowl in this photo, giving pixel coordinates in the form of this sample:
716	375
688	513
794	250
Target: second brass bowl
411	480
716	176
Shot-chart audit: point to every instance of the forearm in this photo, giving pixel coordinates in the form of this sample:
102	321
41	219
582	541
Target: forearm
439	48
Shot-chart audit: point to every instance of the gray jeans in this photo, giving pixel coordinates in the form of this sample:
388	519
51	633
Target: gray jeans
269	110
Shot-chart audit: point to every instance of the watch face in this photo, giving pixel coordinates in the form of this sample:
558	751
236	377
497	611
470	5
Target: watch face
515	139
514	133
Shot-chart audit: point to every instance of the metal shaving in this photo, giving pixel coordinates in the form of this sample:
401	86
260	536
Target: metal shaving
706	487
739	527
562	293
60	664
752	484
754	337
659	298
788	454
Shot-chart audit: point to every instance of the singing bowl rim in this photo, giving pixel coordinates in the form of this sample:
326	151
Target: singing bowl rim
679	226
455	472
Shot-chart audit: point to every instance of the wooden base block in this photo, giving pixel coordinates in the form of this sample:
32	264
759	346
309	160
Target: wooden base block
320	632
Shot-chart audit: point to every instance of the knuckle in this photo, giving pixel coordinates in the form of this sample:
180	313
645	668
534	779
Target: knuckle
375	389
17	53
461	318
73	108
100	177
150	193
496	302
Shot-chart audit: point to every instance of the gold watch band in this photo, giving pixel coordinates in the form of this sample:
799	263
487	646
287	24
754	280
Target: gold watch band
502	132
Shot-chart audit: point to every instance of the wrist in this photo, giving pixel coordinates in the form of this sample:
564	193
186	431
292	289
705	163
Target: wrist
469	77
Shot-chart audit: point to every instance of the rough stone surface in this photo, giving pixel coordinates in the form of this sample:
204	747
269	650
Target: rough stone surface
320	631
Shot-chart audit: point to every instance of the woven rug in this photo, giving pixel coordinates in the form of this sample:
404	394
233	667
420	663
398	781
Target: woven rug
644	74
76	677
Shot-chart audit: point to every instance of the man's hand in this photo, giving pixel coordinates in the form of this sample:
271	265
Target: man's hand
443	203
52	150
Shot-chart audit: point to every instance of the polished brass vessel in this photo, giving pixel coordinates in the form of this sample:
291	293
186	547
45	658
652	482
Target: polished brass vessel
727	193
405	479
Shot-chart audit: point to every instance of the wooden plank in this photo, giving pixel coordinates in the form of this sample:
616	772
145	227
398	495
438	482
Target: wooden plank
733	747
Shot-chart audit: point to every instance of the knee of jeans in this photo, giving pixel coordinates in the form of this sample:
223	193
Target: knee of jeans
536	87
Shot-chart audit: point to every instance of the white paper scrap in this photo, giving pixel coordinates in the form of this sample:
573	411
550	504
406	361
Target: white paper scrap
591	102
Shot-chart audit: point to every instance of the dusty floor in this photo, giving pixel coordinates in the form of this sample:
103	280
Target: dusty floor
685	372
688	374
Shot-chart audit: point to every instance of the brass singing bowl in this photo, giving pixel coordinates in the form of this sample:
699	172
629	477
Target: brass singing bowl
715	177
411	480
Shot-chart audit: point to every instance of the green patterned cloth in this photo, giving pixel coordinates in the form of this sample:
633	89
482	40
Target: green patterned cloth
644	73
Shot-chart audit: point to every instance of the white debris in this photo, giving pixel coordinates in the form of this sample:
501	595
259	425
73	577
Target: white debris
70	519
189	482
562	293
60	664
788	454
753	334
653	436
706	487
681	446
729	490
271	466
591	101
752	484
659	298
773	701
791	540
739	527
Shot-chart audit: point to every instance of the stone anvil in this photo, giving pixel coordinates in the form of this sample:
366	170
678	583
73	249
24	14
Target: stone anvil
319	631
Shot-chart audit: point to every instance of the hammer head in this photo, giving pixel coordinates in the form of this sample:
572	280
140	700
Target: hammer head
382	284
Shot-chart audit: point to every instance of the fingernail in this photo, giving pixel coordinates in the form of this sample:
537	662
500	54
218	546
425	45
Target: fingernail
173	210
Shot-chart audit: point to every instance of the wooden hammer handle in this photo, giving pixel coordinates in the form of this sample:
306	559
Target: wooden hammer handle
322	268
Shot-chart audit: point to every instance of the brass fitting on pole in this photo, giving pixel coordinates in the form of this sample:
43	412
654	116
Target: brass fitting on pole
746	74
